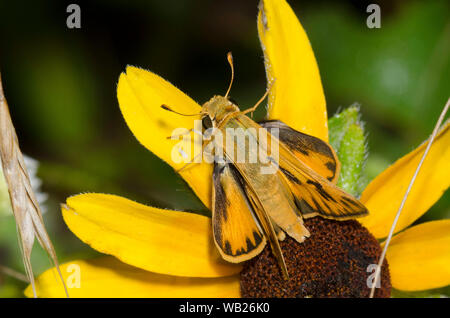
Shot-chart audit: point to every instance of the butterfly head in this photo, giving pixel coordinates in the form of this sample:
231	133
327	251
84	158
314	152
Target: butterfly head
216	109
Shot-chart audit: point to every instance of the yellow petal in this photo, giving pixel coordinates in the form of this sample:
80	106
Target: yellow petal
107	277
297	96
384	194
419	257
160	241
141	94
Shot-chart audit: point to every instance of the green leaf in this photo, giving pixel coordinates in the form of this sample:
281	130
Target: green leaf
348	140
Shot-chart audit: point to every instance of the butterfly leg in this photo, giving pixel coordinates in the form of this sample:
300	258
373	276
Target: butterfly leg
188	164
187	132
252	109
204	144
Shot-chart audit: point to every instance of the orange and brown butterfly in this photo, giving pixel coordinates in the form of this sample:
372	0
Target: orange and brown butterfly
250	208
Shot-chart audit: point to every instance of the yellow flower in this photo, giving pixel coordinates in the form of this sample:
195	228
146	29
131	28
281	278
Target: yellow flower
163	253
419	257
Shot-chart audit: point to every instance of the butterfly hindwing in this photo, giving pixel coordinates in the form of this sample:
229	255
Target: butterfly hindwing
236	230
316	195
312	151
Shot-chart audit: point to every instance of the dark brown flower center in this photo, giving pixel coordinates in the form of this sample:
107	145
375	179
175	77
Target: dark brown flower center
336	261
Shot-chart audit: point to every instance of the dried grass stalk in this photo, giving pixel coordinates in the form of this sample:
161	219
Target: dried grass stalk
27	213
405	197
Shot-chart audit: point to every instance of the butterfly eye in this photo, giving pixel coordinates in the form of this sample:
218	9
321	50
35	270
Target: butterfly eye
206	122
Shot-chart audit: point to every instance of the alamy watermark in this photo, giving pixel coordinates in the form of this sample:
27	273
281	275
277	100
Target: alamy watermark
73	21
372	268
374	19
74	279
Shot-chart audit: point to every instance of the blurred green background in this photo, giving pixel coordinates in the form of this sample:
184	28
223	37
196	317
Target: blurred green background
61	87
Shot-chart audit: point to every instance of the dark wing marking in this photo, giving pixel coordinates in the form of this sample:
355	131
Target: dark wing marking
315	195
312	151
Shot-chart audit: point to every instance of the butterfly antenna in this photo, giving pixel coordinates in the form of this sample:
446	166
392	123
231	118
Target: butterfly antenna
165	107
230	61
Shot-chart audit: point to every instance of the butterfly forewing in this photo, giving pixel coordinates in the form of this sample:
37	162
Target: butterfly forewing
314	193
270	189
312	151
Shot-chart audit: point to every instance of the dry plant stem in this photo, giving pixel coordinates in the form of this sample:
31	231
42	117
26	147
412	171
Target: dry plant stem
27	213
12	273
402	204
